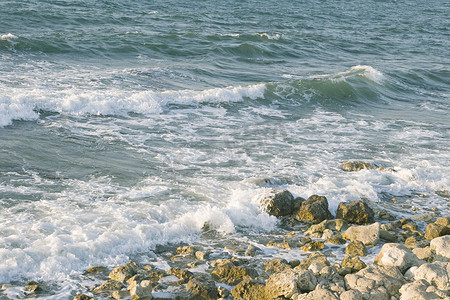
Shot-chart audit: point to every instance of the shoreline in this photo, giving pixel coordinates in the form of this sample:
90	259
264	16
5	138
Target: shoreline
360	255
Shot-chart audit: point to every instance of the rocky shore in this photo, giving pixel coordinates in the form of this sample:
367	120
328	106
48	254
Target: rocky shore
405	263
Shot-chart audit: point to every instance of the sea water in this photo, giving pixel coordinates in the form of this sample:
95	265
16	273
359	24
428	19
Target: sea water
129	125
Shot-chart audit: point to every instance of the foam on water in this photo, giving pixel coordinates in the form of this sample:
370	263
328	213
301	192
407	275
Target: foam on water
19	104
8	36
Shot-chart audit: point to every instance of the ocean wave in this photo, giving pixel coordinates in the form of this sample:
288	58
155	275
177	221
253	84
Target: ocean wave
8	36
20	104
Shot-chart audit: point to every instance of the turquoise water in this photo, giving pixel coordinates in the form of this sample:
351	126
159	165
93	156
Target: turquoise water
125	125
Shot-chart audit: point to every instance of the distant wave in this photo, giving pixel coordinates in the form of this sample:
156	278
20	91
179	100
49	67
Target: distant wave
8	36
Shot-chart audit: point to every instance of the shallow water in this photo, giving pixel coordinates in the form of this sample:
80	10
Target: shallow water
129	125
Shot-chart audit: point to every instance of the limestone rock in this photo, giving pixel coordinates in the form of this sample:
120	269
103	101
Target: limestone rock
337	240
202	255
223	292
434	230
329	278
334	225
314	210
289	282
82	297
276	265
437	274
356	248
441	246
251	250
33	286
108	286
186	250
314	258
368	235
388	235
417	290
202	289
96	271
141	290
423	253
231	274
354	263
396	255
378	282
356	212
184	275
427	217
249	289
351	295
321	293
124	272
280	203
444	221
313	246
354	166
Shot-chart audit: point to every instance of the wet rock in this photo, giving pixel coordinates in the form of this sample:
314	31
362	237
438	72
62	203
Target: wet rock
276	265
427	217
280	244
280	203
97	271
369	234
231	274
417	290
187	250
334	225
109	286
354	263
329	278
82	297
141	290
122	294
356	212
434	230
376	282
202	289
384	215
351	295
444	221
289	282
389	236
33	286
314	258
396	255
251	250
184	275
337	240
202	255
124	272
327	234
441	247
313	246
249	289
355	166
356	248
223	292
436	273
314	210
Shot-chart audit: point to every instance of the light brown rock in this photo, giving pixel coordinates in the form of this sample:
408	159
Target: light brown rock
124	272
396	255
369	234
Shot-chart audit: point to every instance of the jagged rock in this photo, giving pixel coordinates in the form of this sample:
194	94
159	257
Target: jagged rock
334	225
329	278
314	258
249	289
124	272
436	273
140	290
377	282
313	246
276	265
280	203
441	246
396	255
314	210
368	235
354	263
202	255
337	240
443	221
119	295
321	293
223	292
315	268
231	274
434	230
327	234
417	290
184	275
280	244
186	250
82	297
388	235
356	248
33	286
354	166
356	212
423	253
202	289
251	250
108	286
289	282
97	270
351	295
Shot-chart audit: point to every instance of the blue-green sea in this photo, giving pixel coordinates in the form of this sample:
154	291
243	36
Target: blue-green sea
128	125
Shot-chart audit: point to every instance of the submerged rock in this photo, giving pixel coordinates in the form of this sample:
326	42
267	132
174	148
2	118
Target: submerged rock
313	246
368	235
280	203
356	212
314	210
82	297
355	166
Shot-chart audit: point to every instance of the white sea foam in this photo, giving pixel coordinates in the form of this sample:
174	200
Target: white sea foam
19	104
8	36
